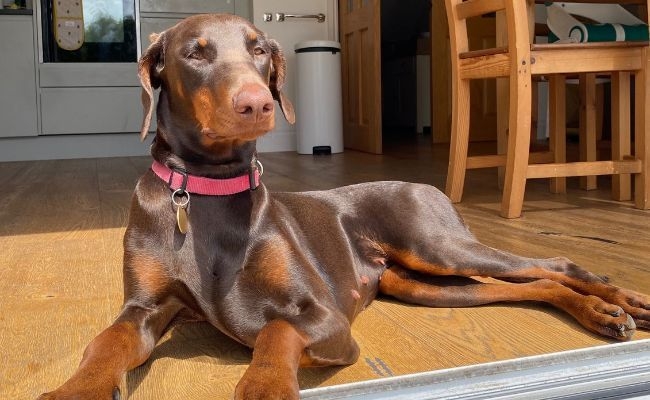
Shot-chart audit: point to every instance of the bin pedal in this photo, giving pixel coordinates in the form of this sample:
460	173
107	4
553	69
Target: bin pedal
322	150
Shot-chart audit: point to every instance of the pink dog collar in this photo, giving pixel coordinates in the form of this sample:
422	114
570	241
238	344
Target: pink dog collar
209	186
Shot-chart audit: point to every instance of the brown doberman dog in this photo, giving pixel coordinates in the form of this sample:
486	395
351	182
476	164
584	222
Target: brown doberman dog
286	273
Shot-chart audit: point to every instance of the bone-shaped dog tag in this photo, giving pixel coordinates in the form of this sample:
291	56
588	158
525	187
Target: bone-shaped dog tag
181	219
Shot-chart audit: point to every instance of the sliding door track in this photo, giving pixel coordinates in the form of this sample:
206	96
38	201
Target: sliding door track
615	371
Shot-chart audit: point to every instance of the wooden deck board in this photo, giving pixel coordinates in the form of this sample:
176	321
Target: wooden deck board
61	226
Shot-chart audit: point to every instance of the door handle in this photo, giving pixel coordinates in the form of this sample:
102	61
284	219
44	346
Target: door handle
280	17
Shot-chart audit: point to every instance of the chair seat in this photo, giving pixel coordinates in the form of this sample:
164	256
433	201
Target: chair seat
588	57
555	46
588	45
559	58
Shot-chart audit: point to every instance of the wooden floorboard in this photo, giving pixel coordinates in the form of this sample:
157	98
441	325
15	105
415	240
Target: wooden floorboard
61	227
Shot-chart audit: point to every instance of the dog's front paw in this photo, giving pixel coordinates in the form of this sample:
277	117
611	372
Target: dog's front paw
267	384
82	394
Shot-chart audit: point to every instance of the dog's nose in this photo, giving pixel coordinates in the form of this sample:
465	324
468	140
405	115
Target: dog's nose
253	102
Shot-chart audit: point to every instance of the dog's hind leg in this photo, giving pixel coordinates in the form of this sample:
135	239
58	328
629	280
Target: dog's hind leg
590	311
464	256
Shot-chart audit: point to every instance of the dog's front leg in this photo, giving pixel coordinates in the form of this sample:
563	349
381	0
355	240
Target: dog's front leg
124	345
273	372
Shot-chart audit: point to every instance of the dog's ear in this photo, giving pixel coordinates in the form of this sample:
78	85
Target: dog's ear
278	71
150	65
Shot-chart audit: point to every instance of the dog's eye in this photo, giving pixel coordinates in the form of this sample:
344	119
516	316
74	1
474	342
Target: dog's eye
259	51
195	55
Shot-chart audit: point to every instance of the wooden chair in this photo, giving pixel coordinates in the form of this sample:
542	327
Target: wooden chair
519	61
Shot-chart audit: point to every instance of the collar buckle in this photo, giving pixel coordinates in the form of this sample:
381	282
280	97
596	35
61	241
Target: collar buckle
182	173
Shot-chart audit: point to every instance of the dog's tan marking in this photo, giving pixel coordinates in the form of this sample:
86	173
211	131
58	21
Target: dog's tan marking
178	88
203	105
272	261
150	275
412	261
213	125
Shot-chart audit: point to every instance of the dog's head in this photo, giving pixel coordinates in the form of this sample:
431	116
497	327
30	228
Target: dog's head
218	76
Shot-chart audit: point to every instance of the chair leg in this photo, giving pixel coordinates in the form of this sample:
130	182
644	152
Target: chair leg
621	139
642	135
557	129
503	94
587	88
459	141
518	145
502	100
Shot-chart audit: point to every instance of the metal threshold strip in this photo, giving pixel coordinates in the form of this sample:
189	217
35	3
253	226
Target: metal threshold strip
616	371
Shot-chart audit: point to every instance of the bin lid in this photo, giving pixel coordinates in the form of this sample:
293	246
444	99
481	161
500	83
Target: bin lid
309	46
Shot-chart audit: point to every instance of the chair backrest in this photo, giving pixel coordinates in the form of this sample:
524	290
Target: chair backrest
519	20
458	11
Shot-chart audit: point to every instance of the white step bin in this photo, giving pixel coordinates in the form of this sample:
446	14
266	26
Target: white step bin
319	115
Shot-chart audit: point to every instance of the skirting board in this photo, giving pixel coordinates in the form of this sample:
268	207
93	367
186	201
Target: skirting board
616	371
56	147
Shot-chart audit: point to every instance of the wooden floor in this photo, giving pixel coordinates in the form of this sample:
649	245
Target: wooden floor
61	226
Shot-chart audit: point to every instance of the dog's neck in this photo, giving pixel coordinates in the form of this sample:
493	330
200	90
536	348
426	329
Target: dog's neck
235	159
218	178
